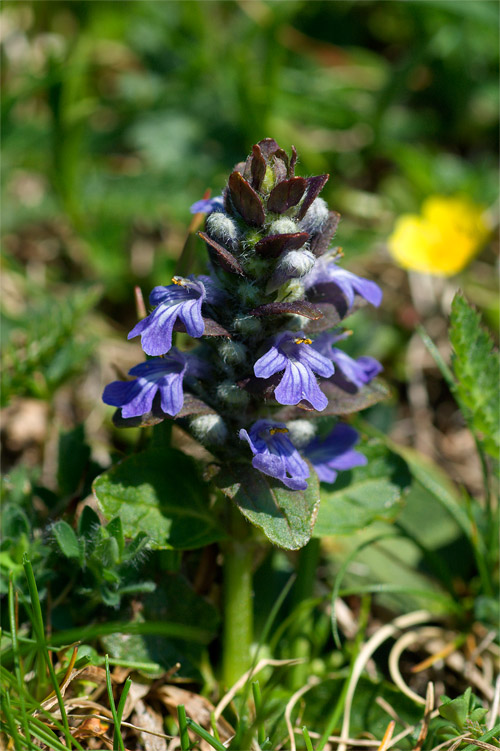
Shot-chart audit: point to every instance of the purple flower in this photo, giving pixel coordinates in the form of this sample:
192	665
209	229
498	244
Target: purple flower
275	455
207	205
358	372
334	453
182	299
292	353
163	374
326	272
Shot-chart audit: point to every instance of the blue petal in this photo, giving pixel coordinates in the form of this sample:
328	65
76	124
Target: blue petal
364	287
190	315
270	363
207	205
172	395
298	383
156	339
370	366
134	397
335	453
324	473
315	360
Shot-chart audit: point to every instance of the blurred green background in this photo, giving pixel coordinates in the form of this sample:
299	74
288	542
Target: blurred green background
116	116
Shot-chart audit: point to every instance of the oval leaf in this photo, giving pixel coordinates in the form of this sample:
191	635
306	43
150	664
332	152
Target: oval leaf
66	539
212	328
299	307
221	256
285	516
274	245
286	194
258	167
245	200
314	187
321	242
157	492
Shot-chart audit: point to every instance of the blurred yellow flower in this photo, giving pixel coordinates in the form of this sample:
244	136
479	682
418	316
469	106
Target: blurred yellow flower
442	240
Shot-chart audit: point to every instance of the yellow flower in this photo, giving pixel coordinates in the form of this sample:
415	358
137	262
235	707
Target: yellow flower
442	240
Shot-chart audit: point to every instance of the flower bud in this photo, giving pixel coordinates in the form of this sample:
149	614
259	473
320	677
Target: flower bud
295	264
269	180
301	432
247	325
232	396
209	429
297	322
315	217
255	266
291	291
283	226
248	293
231	352
222	228
292	265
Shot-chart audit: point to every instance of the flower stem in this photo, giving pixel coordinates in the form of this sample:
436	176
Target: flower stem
238	606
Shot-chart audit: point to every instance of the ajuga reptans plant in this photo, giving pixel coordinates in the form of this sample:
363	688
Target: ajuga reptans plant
266	319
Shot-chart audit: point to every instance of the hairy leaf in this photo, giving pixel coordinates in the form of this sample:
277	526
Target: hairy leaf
476	367
285	516
158	492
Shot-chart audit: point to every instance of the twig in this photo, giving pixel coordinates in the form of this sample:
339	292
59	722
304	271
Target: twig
387	736
450	741
403	621
313	681
495	706
125	724
429	705
396	652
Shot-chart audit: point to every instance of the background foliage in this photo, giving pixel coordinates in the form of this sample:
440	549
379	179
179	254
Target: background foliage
114	121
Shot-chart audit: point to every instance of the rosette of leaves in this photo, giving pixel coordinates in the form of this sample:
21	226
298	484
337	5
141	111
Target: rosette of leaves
267	317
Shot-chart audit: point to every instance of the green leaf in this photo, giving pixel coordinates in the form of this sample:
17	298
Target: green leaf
477	368
157	492
74	455
88	522
364	494
66	539
115	529
173	601
285	516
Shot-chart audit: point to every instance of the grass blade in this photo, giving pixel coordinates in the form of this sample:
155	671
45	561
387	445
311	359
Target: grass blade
117	736
183	728
39	629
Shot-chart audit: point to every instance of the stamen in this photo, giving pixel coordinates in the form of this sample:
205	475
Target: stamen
278	430
179	280
303	341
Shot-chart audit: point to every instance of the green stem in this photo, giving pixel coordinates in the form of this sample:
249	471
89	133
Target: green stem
238	606
304	590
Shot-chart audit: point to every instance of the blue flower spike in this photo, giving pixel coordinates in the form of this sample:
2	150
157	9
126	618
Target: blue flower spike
265	347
